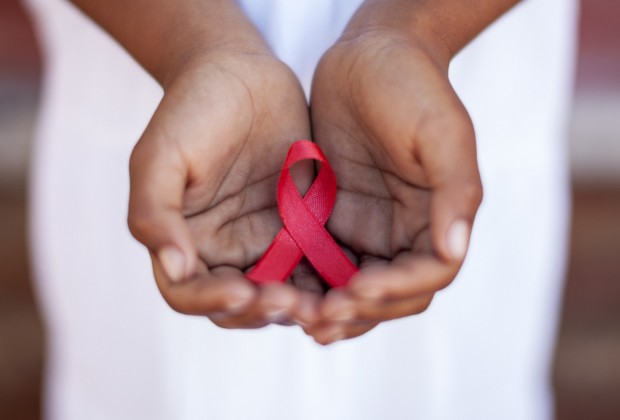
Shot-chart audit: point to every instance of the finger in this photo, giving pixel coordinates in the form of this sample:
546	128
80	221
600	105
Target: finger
408	276
304	277
329	333
307	311
161	165
274	303
447	152
223	291
157	184
345	307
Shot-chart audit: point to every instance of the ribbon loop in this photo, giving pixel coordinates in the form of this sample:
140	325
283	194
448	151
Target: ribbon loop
304	219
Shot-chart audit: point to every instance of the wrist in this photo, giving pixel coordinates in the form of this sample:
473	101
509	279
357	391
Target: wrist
441	27
404	21
198	56
164	36
227	31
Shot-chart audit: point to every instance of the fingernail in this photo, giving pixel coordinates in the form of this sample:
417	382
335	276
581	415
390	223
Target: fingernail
173	262
236	306
300	322
344	313
369	290
276	315
458	239
238	298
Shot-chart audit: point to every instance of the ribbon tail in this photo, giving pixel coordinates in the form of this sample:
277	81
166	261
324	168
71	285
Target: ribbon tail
278	262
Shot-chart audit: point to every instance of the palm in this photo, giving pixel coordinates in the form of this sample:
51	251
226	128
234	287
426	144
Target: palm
203	180
378	213
401	144
383	204
230	200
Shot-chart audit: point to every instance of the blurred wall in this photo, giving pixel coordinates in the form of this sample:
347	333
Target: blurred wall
595	124
19	87
21	333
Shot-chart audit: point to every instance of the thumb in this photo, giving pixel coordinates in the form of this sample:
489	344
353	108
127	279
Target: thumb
452	169
453	209
158	177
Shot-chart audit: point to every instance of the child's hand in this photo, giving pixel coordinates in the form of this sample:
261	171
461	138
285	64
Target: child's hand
203	183
403	149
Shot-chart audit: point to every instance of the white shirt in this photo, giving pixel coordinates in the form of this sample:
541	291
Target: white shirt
481	351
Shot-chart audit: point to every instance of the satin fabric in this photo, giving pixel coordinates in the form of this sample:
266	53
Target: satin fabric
303	233
481	351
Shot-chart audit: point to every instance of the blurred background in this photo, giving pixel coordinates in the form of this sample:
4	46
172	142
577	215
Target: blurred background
586	372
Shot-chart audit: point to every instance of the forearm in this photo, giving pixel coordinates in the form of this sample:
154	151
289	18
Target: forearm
444	25
164	35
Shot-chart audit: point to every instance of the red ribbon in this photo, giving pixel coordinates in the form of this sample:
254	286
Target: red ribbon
304	219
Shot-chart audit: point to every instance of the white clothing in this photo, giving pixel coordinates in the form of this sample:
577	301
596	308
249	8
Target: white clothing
481	351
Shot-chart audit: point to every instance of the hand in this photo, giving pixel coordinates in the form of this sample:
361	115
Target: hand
403	149
203	182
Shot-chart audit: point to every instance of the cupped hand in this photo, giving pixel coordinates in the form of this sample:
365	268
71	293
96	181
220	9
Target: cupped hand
203	182
403	149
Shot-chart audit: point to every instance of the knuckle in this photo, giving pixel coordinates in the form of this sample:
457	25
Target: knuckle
418	305
139	217
424	304
445	282
229	322
451	122
136	157
140	223
176	297
222	322
473	194
176	304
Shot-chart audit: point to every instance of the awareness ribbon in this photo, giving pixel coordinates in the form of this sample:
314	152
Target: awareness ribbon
304	219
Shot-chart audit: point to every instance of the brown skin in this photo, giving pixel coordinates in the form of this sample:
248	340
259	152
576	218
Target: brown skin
203	174
384	131
403	148
214	199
